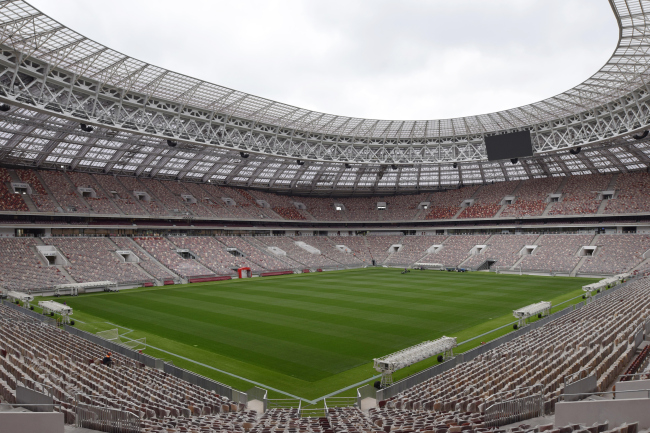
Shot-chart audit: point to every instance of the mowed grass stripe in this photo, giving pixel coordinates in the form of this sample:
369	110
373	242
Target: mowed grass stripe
286	357
311	327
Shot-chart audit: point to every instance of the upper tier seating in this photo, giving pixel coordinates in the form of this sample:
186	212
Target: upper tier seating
173	203
94	259
413	249
72	367
297	253
455	249
40	197
152	268
531	197
153	207
22	269
178	190
121	197
63	191
247	201
9	200
633	194
488	200
503	248
556	253
101	204
210	253
401	207
259	260
281	205
322	208
598	338
444	205
580	195
165	252
616	254
218	193
216	206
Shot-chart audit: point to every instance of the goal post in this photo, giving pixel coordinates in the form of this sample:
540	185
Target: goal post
110	335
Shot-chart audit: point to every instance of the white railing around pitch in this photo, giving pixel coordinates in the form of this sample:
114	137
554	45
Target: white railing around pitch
106	419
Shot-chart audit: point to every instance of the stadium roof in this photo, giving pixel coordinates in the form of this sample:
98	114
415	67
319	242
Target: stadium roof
54	79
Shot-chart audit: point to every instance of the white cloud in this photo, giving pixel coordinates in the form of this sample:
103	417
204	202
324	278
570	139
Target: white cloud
409	59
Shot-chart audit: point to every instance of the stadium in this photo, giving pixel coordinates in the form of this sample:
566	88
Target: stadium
178	256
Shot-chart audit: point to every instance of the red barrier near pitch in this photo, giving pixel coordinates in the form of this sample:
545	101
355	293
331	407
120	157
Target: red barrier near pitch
270	274
168	282
205	279
245	272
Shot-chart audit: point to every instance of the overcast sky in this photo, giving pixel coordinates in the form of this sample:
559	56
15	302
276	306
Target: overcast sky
398	59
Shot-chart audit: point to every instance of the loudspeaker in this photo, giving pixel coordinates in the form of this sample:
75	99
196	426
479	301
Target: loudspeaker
378	384
440	358
515	326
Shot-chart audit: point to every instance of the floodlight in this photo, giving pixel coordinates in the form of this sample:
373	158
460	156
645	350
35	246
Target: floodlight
514	161
299	162
394	167
5	107
455	165
244	154
347	165
171	143
86	128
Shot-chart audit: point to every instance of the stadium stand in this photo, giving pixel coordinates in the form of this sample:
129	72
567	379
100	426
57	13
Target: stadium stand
455	249
174	204
281	205
154	269
165	252
21	268
39	196
298	254
504	249
598	338
210	253
9	200
488	200
218	194
413	249
328	249
100	204
120	196
259	260
379	246
74	371
322	208
580	195
357	245
616	254
63	191
444	205
94	259
178	190
152	206
556	253
633	194
531	198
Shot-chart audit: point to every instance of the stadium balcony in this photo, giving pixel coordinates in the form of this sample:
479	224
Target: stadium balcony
39	196
488	200
178	190
99	204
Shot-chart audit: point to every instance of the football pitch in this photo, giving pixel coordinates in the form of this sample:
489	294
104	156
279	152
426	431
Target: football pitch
312	334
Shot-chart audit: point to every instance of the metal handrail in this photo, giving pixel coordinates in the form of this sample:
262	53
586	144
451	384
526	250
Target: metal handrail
561	396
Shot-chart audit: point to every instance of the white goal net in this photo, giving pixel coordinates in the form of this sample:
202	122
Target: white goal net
110	335
132	343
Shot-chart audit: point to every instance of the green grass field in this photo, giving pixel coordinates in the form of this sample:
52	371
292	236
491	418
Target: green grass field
312	334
